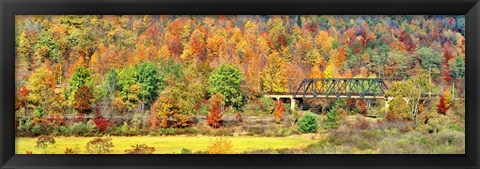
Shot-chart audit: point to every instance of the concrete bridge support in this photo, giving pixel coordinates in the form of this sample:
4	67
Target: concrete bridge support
292	101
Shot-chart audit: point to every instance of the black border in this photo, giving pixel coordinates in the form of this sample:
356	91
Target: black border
10	8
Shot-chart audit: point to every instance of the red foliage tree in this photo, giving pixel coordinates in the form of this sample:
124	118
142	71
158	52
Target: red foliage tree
446	76
101	123
215	118
442	106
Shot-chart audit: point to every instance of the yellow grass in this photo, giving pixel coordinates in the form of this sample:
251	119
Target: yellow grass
168	144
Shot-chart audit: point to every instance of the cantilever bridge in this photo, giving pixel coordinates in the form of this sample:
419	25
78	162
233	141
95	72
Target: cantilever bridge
335	88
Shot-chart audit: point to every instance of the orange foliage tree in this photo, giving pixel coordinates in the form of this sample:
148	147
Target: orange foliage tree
215	118
279	111
83	98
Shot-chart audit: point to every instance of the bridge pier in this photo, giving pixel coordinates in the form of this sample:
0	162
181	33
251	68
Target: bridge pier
278	97
292	103
387	102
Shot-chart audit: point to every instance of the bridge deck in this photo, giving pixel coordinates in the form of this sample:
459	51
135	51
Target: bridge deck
283	96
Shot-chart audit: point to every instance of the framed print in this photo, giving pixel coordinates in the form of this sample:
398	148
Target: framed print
253	84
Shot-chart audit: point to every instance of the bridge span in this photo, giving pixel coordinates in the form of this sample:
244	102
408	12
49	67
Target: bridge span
335	88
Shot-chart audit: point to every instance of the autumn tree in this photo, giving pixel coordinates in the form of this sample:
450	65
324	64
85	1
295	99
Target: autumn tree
457	68
279	111
274	76
21	99
149	81
83	98
446	100
195	49
40	86
81	76
226	81
431	59
215	118
411	90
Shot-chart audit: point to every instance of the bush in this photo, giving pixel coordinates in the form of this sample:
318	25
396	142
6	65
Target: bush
282	132
332	120
40	127
253	108
137	121
267	104
323	146
24	127
100	146
125	129
101	123
140	149
437	124
166	131
79	129
44	141
62	130
186	151
74	150
220	146
308	123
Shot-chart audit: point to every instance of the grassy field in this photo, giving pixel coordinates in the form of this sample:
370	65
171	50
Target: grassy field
169	144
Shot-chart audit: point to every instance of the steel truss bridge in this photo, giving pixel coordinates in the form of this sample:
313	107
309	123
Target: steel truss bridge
367	88
335	88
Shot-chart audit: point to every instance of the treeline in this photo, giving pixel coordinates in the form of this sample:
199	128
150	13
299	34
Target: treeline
173	65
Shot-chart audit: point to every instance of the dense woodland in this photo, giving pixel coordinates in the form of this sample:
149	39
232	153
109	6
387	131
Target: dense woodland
173	68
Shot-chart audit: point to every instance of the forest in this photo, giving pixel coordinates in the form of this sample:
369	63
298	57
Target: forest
104	78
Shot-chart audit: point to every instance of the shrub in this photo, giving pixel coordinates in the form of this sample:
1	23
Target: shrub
220	146
125	129
186	151
323	146
253	108
239	118
362	108
331	122
282	132
137	121
44	141
181	120
308	123
267	104
101	123
140	149
392	117
91	126
215	118
437	124
24	128
61	130
100	146
74	150
363	124
79	129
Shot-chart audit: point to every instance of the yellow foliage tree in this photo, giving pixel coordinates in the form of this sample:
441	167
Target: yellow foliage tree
274	76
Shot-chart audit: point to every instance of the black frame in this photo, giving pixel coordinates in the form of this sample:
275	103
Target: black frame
10	8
